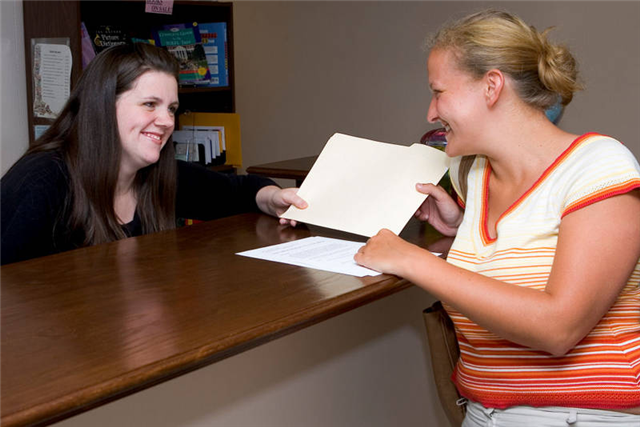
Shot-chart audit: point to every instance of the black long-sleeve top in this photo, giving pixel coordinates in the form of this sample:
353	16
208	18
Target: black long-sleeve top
34	191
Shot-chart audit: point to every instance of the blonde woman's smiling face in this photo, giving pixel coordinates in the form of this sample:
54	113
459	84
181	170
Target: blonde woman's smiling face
457	101
146	119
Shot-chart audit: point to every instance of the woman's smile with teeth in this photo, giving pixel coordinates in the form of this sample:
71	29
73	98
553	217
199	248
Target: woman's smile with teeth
153	136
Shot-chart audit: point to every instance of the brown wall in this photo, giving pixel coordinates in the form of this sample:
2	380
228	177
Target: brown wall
308	69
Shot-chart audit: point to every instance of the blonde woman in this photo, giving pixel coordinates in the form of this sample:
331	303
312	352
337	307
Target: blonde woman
542	280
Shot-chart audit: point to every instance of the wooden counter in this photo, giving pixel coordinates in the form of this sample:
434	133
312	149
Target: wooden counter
85	327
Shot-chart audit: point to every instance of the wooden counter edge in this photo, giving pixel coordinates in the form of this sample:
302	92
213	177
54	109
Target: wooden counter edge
143	378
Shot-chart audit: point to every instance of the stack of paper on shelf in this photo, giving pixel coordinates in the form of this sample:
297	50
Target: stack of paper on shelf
228	149
188	139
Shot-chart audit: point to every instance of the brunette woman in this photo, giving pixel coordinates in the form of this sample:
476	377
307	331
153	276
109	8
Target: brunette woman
106	168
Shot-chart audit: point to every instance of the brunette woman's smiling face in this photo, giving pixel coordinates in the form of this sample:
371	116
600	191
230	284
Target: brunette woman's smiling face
457	101
146	119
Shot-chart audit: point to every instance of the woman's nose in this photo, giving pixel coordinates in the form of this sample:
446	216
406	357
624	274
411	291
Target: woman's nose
432	114
165	118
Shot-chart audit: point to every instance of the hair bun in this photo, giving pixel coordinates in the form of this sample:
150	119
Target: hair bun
557	68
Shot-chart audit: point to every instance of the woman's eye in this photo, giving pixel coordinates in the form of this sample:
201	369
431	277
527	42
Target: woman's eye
149	104
173	110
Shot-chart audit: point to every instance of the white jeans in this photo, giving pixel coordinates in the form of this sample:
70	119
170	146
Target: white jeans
549	416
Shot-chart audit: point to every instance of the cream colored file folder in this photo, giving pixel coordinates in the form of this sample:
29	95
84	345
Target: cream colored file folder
361	186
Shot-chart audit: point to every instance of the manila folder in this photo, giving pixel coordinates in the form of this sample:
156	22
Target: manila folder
361	186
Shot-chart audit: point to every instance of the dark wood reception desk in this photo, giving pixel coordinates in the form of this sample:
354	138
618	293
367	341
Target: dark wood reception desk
86	327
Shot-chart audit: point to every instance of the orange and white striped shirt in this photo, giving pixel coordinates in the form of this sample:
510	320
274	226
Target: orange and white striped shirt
603	370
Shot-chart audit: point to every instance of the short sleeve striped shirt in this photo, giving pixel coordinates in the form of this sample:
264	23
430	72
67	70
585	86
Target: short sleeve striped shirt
603	370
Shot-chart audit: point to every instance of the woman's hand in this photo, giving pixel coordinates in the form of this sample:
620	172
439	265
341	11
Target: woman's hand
275	201
387	253
439	210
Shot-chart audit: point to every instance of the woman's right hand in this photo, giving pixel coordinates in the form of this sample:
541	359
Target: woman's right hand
439	210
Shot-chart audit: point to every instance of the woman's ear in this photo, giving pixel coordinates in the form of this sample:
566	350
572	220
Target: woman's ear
494	84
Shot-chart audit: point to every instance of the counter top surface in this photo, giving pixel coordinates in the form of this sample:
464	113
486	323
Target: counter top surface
85	327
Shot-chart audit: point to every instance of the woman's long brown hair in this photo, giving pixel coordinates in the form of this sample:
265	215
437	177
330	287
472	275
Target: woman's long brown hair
86	134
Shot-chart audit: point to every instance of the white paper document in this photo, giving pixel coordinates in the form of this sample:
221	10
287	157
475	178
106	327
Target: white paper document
321	253
52	78
361	186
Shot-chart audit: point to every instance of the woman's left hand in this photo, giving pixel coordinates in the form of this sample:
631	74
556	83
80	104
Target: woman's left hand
385	252
275	201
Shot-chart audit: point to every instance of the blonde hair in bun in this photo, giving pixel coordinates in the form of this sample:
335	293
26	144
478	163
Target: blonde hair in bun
543	71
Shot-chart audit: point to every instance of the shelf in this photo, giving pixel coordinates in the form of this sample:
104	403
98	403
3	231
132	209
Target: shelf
43	19
189	89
